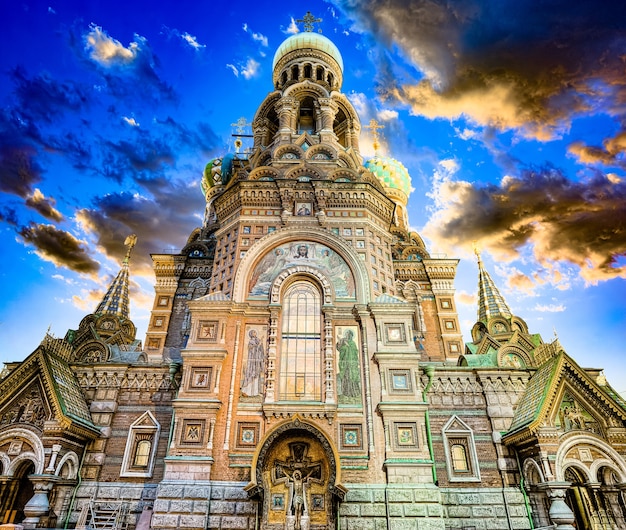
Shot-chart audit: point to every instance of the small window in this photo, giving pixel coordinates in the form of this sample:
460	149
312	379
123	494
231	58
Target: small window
142	453
139	455
460	450
458	455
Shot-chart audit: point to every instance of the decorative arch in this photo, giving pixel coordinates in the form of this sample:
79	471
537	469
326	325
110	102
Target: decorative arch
263	172
305	89
304	170
283	279
562	462
270	242
71	461
532	472
36	455
296	445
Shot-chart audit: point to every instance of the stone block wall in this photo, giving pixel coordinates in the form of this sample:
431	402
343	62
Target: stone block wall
203	505
484	509
405	507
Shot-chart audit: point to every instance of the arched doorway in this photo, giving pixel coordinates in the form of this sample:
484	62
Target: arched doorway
588	502
295	479
23	492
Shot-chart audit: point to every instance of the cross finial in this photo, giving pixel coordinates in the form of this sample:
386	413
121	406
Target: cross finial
476	249
129	242
240	125
373	127
308	20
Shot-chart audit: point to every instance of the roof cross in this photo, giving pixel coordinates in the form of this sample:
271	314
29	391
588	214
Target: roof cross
373	127
240	125
308	20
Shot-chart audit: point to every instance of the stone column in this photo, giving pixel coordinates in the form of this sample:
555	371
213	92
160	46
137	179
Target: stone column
560	513
38	505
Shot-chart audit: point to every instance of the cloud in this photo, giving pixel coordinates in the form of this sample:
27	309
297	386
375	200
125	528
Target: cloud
130	121
549	308
192	41
45	206
109	52
166	213
612	152
583	223
59	247
125	68
43	98
19	170
233	69
501	65
258	37
292	29
251	69
186	38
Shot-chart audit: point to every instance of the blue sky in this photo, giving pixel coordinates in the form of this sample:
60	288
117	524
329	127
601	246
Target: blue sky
510	117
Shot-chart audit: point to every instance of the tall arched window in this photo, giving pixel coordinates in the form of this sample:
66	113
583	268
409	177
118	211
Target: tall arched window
300	357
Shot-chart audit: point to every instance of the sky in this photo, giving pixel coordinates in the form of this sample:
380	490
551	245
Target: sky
510	117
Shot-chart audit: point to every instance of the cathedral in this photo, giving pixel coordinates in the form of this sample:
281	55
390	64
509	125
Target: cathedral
304	367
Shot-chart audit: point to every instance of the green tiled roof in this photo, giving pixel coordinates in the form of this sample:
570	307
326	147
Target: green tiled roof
530	403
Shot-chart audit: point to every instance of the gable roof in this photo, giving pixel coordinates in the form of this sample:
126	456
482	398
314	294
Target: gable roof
544	389
61	387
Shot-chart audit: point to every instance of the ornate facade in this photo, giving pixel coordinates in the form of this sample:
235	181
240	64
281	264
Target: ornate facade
304	368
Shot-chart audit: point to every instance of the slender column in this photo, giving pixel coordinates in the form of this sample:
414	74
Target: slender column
329	358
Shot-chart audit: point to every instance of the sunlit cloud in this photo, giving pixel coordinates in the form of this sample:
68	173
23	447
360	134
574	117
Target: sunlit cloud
59	247
581	223
130	121
292	29
480	61
107	51
45	206
612	152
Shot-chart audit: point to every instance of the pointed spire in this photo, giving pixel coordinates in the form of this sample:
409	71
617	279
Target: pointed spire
115	301
490	302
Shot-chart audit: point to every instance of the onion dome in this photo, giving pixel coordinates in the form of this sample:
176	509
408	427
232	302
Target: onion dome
308	40
217	172
390	173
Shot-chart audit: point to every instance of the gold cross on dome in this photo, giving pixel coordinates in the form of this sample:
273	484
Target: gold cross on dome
373	127
308	20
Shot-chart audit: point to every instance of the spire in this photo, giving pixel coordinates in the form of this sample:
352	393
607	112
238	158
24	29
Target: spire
490	302
115	301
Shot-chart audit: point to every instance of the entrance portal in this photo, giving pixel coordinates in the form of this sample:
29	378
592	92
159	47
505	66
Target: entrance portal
296	479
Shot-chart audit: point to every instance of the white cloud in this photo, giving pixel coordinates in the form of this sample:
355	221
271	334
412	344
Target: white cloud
192	41
233	68
107	51
258	37
292	29
130	121
549	308
387	114
251	69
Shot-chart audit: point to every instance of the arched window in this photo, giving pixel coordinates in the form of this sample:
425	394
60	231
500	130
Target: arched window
142	453
300	357
458	455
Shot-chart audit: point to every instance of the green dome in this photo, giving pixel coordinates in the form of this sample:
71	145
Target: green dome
390	173
304	40
217	172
